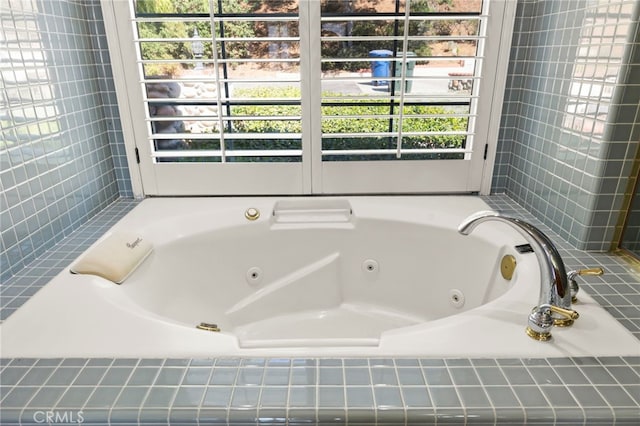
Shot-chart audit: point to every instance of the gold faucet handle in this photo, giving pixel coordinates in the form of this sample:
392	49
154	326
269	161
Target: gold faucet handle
594	272
571	276
569	313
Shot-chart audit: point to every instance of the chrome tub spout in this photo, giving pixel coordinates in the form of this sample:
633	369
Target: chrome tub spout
554	305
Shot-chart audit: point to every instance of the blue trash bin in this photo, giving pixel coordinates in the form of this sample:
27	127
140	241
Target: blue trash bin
380	69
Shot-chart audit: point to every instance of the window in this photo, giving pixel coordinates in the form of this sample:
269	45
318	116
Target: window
419	102
222	86
304	96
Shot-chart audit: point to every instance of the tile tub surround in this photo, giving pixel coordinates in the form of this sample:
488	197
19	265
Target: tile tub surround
570	123
331	391
59	159
604	390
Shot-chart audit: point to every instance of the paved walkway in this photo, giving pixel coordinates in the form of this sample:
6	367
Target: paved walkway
427	80
423	82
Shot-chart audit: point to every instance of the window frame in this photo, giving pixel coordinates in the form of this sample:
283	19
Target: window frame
311	170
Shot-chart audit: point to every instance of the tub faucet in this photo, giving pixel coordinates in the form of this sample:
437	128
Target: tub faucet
554	306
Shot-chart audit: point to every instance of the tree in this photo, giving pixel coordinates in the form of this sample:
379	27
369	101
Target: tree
172	50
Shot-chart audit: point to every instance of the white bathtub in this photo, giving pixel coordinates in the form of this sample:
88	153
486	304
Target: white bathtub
357	276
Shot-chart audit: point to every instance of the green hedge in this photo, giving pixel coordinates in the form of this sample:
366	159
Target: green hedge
375	113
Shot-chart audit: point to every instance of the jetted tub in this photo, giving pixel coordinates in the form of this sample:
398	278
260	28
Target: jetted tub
355	276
